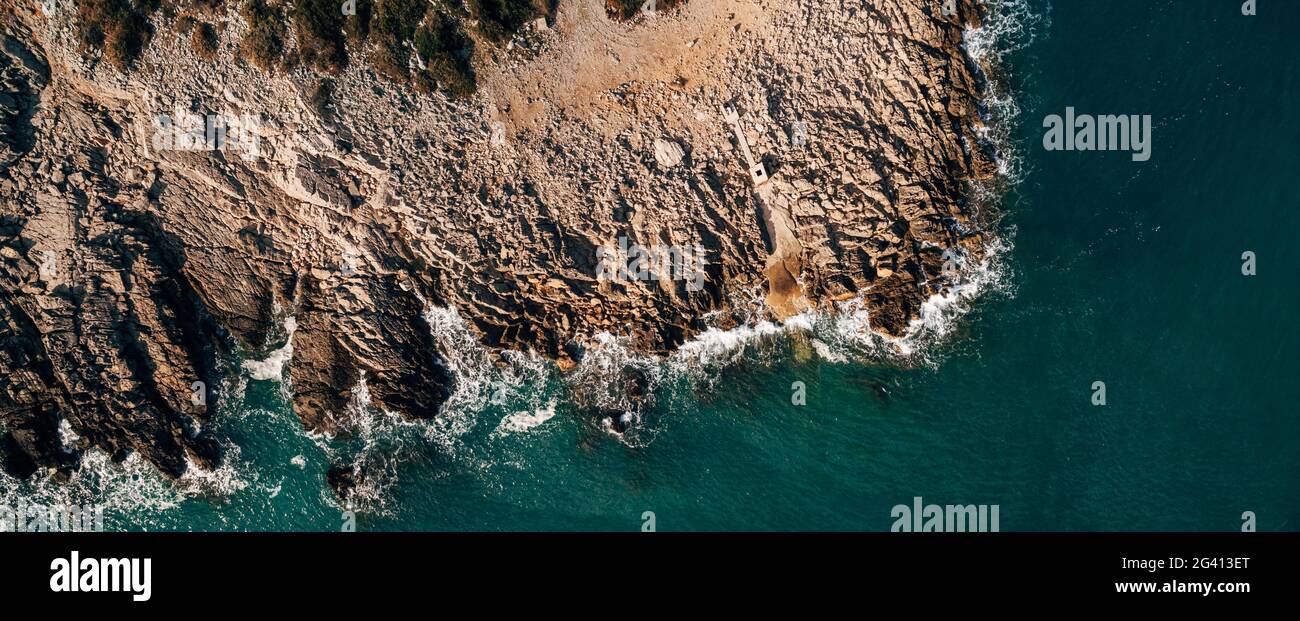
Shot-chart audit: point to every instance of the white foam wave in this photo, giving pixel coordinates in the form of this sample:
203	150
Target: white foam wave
482	379
608	363
1008	26
272	367
67	436
121	490
130	493
226	480
714	346
846	333
826	353
378	439
524	421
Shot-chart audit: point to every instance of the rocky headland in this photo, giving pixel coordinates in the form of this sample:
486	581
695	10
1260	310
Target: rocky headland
201	180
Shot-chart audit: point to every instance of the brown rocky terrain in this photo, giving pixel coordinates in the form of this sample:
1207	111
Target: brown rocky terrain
133	263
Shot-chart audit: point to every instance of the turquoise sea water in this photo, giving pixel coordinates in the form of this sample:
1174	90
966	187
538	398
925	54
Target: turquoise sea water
1123	272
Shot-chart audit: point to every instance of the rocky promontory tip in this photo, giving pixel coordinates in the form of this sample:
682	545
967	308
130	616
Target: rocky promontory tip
550	172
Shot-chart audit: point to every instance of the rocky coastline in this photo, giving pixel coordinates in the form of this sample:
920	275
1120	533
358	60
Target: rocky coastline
794	153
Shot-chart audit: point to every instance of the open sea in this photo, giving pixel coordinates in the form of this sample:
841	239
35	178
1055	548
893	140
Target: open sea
1106	270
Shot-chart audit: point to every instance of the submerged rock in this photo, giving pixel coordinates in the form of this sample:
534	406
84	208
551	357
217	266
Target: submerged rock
342	479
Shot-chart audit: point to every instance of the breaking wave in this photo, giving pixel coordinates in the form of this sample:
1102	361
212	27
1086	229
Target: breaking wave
131	494
271	368
482	379
376	443
843	335
1007	27
523	421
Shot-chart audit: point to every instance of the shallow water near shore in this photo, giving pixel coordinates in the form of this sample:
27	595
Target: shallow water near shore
1117	271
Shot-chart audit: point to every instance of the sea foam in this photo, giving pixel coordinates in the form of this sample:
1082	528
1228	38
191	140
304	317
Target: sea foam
271	368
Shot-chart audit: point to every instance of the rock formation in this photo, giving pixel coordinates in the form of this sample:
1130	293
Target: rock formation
157	222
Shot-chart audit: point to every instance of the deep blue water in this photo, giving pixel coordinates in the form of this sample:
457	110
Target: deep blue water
1119	271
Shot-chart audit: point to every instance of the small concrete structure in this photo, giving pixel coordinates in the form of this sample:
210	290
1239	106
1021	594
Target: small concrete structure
757	172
